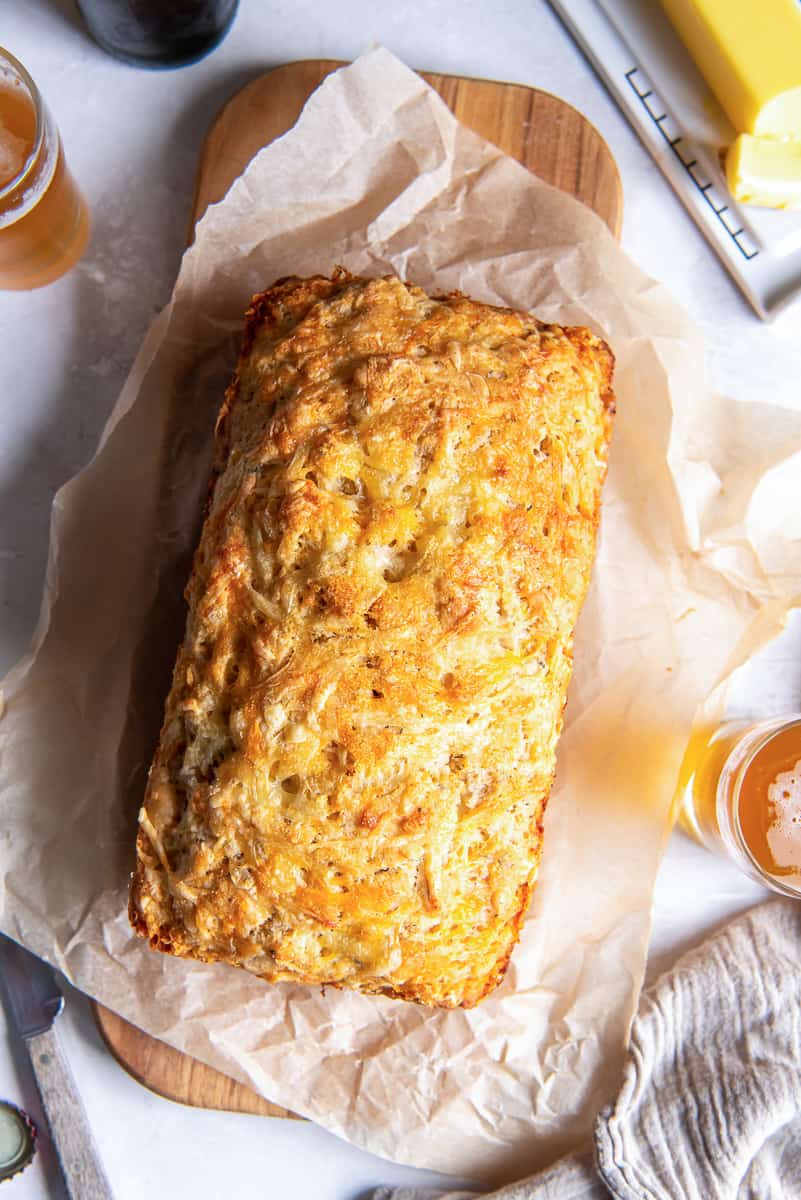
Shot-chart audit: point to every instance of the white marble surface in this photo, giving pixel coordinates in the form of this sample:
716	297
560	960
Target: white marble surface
132	138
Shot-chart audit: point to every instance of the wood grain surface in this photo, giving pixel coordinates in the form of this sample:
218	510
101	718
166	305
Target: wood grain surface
547	136
175	1075
544	133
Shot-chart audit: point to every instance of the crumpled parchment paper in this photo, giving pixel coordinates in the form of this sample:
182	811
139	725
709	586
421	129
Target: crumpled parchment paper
698	563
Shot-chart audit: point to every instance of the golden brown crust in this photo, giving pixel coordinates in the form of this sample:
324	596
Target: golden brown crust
360	737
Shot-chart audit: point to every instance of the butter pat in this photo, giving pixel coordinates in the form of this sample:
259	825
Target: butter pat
750	56
765	171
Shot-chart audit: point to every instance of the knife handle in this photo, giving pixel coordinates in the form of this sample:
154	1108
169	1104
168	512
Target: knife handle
72	1137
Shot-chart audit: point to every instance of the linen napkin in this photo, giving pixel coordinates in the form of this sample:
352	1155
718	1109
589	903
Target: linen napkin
710	1107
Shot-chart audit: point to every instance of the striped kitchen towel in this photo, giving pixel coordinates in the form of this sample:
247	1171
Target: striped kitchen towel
710	1107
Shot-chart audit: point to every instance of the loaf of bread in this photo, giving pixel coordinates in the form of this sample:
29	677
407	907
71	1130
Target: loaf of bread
361	733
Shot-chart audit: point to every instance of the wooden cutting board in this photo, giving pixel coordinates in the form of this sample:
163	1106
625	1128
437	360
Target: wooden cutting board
547	136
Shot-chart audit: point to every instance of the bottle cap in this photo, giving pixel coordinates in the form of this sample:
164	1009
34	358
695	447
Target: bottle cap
17	1140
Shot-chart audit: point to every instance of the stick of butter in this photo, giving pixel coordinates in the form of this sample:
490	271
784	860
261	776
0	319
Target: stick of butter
749	52
765	171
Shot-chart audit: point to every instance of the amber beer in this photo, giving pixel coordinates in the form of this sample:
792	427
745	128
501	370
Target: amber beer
44	222
740	791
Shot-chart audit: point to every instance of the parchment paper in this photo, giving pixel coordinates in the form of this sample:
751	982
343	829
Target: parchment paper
698	562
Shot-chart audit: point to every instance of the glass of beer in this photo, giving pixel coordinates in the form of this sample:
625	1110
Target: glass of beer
158	33
44	222
740	793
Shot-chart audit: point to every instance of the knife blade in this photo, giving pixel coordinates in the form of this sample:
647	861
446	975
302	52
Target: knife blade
34	1001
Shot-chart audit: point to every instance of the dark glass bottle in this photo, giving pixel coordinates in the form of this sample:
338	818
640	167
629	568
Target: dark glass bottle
158	33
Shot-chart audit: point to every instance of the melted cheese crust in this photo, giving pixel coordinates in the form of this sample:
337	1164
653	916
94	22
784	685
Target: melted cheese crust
361	732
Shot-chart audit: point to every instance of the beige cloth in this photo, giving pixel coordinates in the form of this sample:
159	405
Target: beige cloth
710	1107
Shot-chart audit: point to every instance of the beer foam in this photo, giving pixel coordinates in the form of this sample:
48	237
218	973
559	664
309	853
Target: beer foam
12	155
784	832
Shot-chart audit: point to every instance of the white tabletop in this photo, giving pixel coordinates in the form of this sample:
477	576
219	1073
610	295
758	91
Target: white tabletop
132	138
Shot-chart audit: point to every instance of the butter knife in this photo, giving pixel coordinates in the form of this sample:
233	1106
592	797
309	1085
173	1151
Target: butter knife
35	1000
